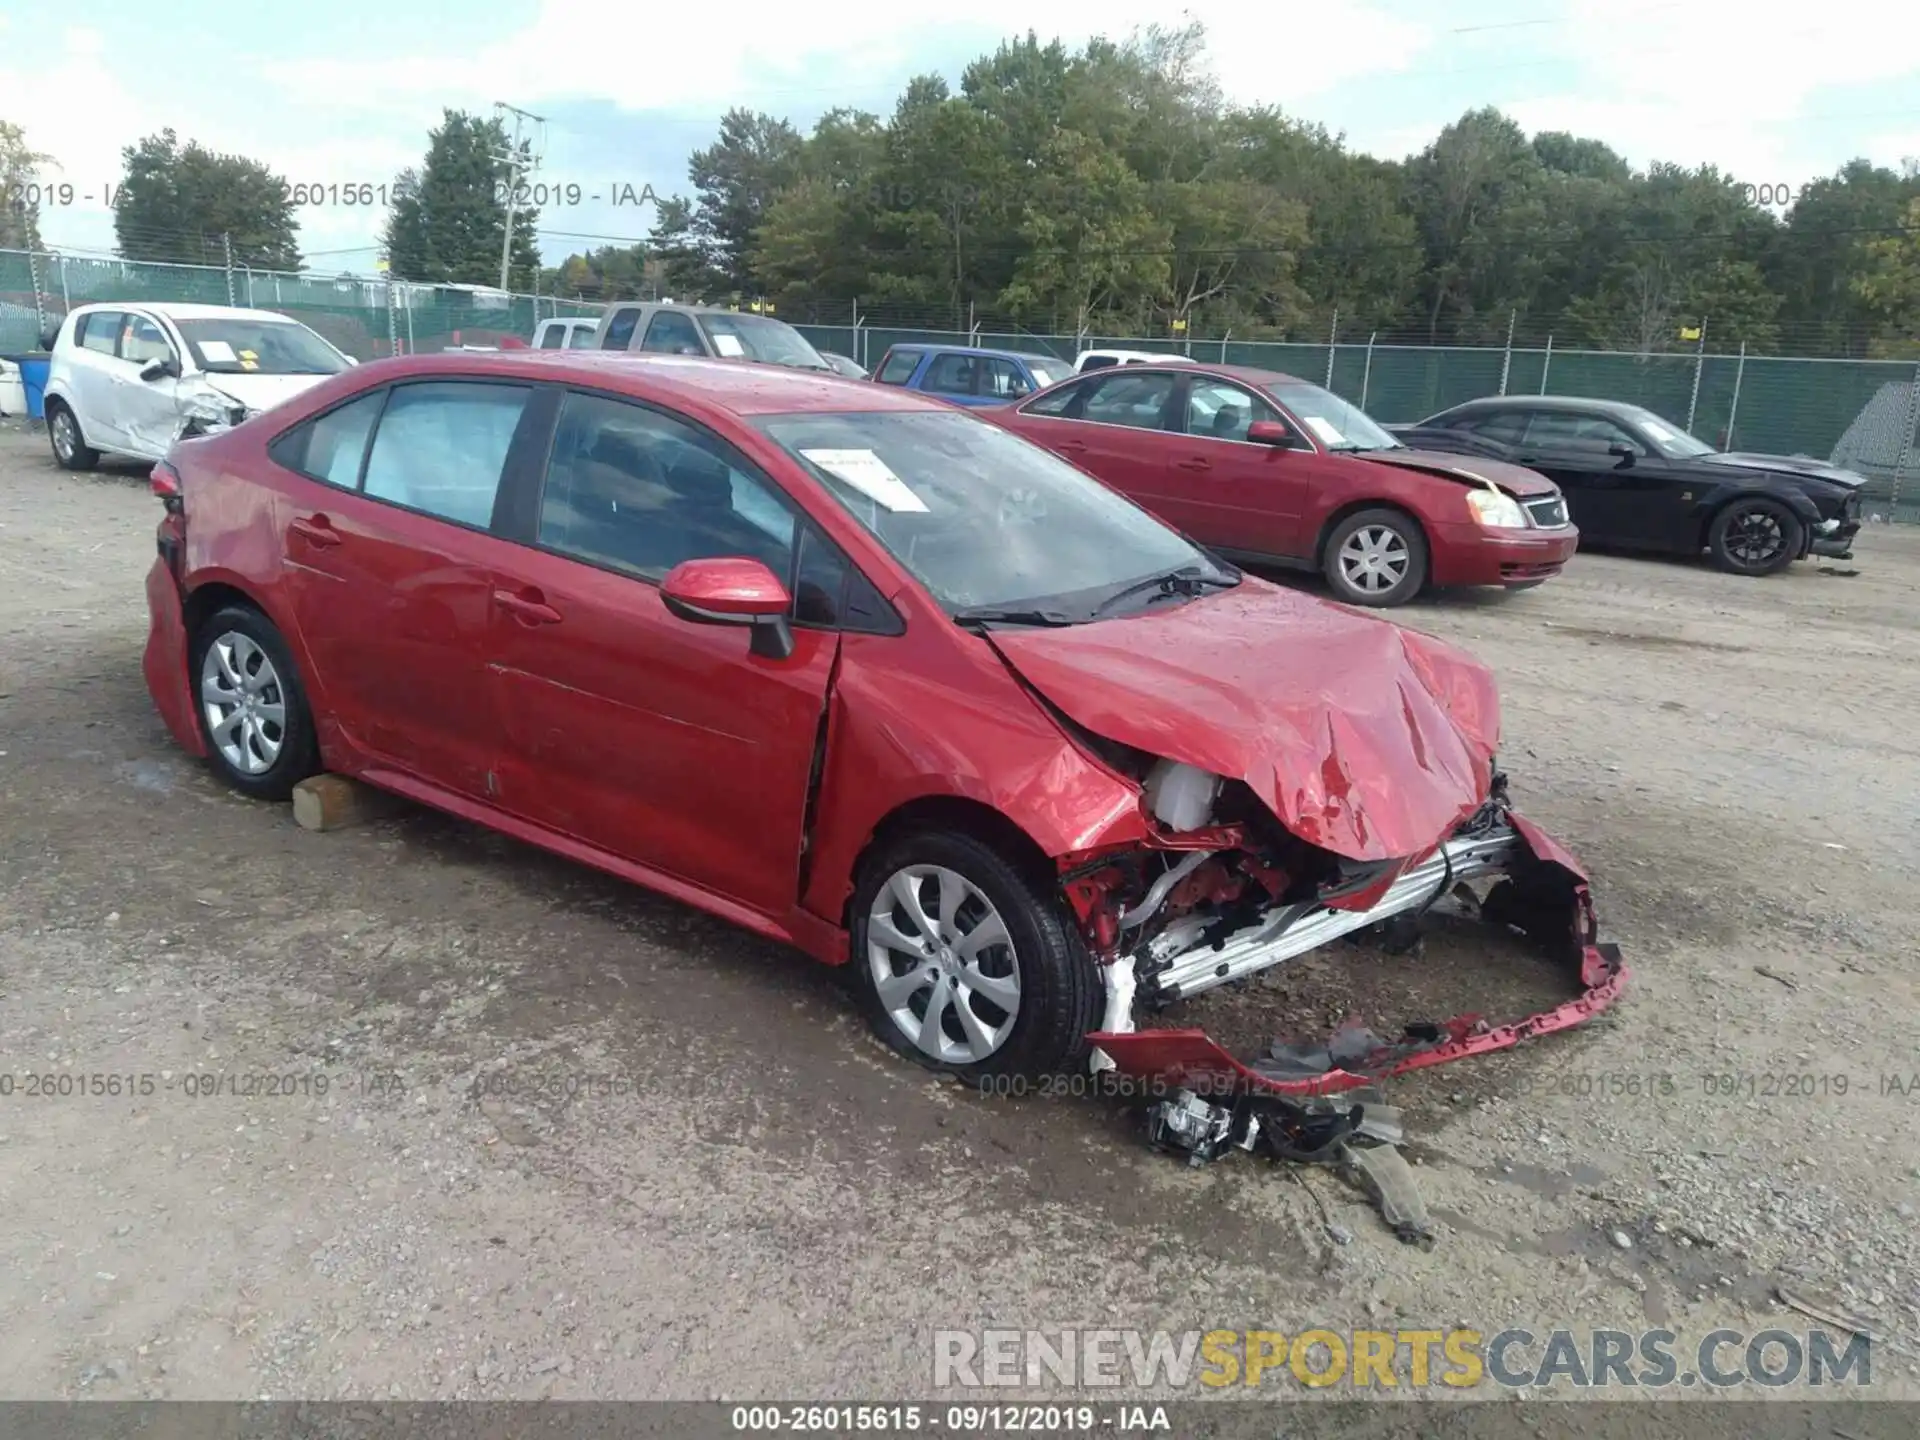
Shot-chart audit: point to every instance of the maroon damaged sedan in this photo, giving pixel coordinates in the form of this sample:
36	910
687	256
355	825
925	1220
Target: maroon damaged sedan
853	669
1262	467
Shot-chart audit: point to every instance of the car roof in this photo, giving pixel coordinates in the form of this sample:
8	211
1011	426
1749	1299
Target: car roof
740	387
980	350
688	309
177	311
1246	374
1579	403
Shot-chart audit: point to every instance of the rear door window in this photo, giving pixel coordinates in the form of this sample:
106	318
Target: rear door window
1136	400
952	374
441	448
100	331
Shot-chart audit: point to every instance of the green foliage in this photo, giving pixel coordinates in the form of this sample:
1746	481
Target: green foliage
611	272
187	203
20	171
448	218
1113	187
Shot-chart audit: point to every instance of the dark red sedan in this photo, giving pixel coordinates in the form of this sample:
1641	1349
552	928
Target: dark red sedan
844	665
1266	468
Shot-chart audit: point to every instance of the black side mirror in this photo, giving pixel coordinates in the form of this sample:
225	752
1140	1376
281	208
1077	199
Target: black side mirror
1623	453
48	337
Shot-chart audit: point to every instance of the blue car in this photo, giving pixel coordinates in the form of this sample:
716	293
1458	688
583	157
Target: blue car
969	377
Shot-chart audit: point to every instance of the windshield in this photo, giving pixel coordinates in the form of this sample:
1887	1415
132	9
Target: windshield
982	518
755	337
1331	420
1671	442
230	346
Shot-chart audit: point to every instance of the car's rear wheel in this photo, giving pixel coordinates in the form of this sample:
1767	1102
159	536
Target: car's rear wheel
1376	557
1755	537
252	708
967	965
70	449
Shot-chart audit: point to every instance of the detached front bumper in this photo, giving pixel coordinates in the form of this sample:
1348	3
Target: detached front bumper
1543	893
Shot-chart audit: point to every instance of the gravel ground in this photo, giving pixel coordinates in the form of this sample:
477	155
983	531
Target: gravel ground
581	1142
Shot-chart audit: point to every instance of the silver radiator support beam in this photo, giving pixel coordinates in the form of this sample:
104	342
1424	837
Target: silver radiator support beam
1290	930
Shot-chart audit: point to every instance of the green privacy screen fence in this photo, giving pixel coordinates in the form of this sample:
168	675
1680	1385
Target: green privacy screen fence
1858	413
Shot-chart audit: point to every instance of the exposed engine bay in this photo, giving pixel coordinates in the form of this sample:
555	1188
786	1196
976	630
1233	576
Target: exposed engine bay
1227	891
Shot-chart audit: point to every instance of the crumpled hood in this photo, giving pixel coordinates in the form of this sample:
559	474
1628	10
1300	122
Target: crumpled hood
1514	479
1788	465
1364	738
263	392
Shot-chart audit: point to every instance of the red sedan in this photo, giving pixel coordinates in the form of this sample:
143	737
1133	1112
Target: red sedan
1266	468
844	665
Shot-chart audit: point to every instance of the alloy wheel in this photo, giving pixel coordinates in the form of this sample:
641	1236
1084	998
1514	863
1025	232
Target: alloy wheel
1374	559
1755	537
245	704
942	962
65	437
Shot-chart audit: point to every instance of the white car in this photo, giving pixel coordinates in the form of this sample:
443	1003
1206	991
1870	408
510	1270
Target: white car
130	379
1098	359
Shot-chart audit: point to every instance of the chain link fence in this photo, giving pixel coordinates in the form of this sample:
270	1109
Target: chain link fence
1862	414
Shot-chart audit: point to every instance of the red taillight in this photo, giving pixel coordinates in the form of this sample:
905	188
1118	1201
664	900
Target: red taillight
165	482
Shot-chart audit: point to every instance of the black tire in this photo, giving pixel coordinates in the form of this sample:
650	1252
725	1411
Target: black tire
1755	536
1060	989
63	429
1410	542
299	751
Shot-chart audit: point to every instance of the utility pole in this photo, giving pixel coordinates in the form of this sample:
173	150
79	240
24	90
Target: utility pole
513	160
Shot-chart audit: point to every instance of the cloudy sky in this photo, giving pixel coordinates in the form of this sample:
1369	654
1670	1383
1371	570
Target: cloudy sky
345	92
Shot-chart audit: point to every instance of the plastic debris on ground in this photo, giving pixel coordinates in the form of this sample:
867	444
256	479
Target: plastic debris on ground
1357	1133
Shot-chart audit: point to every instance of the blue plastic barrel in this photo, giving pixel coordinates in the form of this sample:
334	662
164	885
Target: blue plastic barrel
33	378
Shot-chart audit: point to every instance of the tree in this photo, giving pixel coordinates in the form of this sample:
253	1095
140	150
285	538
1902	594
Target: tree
19	201
609	272
1825	257
1889	284
1112	186
448	218
187	203
685	272
1468	191
1091	243
736	178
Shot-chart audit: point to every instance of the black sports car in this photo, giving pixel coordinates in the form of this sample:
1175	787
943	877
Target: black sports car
1636	481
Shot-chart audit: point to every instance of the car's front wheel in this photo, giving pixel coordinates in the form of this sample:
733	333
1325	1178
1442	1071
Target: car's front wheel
252	708
968	965
1756	536
70	449
1376	557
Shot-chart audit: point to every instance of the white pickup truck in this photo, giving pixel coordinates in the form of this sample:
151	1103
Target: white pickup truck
575	332
1098	359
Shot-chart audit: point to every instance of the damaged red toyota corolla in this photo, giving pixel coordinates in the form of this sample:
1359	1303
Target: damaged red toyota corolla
853	669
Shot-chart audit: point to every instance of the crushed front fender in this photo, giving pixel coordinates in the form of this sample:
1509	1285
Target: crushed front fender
1544	895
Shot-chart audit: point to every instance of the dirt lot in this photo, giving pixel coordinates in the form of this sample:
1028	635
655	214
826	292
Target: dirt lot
577	1141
